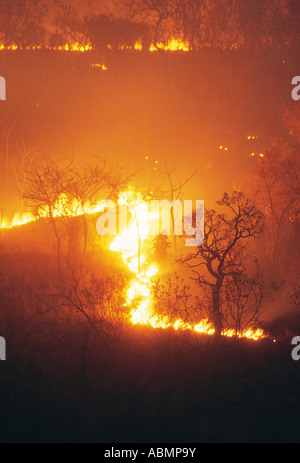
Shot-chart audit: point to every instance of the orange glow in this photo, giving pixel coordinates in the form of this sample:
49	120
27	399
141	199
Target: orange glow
138	46
173	44
139	296
75	47
100	66
261	155
130	244
62	208
17	221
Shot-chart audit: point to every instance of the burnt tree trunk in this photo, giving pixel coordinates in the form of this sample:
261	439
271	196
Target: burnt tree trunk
217	314
58	244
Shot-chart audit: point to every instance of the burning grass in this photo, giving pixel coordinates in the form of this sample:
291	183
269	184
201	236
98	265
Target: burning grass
139	298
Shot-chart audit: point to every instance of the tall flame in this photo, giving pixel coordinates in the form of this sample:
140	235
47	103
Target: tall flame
139	294
131	244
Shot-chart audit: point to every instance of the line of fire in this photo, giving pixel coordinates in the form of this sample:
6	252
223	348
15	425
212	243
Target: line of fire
149	222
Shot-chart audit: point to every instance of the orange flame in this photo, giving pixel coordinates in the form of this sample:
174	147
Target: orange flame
139	295
130	243
173	44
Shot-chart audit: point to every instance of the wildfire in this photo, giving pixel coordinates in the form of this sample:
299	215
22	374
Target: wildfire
139	294
75	47
62	208
173	44
131	244
17	221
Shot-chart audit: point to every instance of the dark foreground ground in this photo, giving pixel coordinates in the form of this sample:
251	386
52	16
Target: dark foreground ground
69	378
60	384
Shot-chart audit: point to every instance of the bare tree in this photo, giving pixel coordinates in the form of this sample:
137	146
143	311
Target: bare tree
97	303
158	13
62	192
222	258
71	27
107	31
6	134
22	23
276	189
174	192
206	22
220	23
242	299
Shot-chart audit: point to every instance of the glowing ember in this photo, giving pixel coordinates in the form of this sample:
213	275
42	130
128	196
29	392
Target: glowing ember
138	46
100	66
172	45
